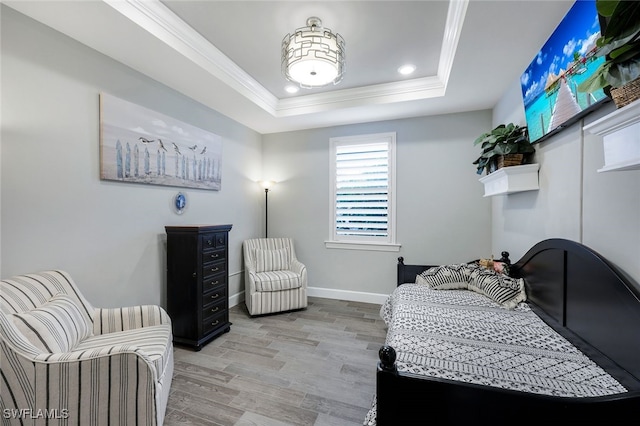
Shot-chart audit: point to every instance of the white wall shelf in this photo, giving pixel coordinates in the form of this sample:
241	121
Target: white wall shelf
508	180
620	133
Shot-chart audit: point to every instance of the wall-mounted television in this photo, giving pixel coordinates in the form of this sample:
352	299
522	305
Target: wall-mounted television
549	85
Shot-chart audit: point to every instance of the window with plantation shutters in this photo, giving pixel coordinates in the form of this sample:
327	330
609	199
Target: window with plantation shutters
362	191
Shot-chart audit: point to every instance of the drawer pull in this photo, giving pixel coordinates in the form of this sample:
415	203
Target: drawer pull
215	309
214	283
215	255
215	323
210	242
214	269
220	241
215	296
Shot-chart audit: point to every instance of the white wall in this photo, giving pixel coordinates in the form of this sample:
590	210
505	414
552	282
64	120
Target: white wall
1	9
442	216
57	213
600	210
110	236
611	207
522	219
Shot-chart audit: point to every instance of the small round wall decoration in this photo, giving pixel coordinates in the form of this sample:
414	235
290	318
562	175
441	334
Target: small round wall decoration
180	202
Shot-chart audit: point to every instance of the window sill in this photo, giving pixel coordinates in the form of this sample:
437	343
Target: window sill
357	245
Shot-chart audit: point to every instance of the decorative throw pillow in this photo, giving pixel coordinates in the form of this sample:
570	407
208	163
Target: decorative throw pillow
501	267
56	326
446	277
500	288
272	260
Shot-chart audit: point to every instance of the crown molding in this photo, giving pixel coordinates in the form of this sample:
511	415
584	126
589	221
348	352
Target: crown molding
165	25
407	90
452	30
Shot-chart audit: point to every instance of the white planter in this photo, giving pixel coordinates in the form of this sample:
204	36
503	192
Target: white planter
508	180
620	133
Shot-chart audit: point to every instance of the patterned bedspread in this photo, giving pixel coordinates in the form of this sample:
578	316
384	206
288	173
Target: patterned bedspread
465	336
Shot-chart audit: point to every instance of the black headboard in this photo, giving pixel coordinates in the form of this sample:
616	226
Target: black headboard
407	273
583	292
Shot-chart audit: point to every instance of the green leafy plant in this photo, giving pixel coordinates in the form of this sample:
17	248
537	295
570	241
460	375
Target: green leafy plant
619	44
504	139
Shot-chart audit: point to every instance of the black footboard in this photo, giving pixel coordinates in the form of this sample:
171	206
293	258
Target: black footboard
406	400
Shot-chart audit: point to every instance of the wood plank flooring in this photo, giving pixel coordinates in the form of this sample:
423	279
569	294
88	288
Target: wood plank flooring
310	367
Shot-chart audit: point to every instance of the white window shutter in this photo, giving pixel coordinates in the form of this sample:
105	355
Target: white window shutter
362	186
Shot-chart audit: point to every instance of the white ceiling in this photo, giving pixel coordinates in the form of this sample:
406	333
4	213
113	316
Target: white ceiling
226	54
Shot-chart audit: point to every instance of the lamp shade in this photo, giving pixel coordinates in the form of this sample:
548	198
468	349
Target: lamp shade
313	56
266	184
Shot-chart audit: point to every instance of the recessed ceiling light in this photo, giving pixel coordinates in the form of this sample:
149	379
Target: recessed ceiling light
406	69
292	89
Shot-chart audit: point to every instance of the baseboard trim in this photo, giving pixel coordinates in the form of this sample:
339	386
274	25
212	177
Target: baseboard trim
352	296
328	293
236	299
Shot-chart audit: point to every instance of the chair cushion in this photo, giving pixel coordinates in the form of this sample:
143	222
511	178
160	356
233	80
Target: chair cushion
58	325
272	260
277	280
154	341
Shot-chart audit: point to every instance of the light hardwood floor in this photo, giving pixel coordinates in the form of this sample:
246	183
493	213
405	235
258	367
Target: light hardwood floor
310	367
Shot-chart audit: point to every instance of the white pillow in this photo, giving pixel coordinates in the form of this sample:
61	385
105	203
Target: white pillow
272	260
56	326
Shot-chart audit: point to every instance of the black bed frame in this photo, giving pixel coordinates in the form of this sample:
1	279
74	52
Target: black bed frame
578	293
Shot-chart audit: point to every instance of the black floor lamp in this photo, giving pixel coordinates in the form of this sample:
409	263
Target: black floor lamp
266	184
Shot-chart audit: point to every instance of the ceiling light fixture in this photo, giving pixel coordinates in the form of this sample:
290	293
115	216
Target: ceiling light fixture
407	69
313	56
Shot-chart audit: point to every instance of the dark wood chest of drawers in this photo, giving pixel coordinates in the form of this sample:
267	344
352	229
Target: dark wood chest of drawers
197	287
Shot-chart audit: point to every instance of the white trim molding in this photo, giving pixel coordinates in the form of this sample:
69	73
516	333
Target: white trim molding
353	296
166	26
327	293
236	299
362	238
355	245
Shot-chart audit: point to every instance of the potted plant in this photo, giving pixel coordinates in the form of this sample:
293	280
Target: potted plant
619	43
506	145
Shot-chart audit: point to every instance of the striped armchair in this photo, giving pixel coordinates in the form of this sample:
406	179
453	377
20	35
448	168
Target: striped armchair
65	362
274	279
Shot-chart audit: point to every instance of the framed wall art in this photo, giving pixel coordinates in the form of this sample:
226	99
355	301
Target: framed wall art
140	145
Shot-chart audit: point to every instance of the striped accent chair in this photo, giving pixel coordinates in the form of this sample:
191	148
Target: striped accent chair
274	279
65	362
